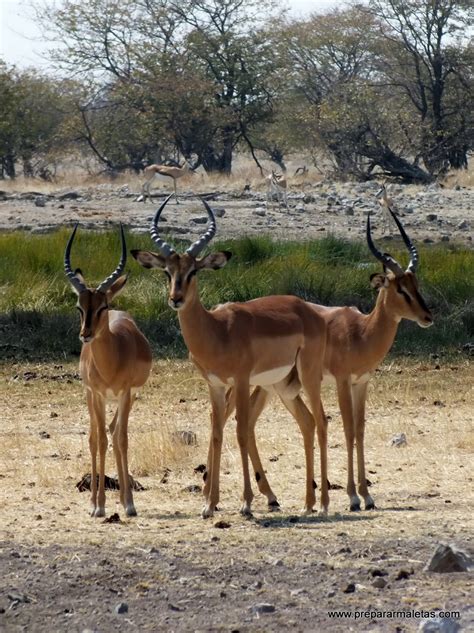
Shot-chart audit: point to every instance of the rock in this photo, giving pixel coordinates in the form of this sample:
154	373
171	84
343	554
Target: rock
379	583
400	439
263	607
53	414
259	211
350	588
121	607
445	238
40	201
202	219
427	240
463	225
431	217
192	488
222	525
439	625
219	211
69	195
403	574
378	573
449	558
348	210
186	437
44	435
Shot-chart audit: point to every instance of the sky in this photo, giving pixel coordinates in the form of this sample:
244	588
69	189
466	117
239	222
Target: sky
20	38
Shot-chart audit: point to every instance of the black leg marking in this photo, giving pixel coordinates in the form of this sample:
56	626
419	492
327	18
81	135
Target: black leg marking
257	476
315	485
204	477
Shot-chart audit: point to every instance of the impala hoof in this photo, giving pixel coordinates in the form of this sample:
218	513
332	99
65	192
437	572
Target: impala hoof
354	507
369	504
323	512
207	512
98	512
273	506
246	511
130	511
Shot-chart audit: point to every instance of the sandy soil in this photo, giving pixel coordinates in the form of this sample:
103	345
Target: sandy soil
315	208
62	570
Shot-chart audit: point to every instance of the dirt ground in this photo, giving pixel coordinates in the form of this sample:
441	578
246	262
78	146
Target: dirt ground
315	208
62	570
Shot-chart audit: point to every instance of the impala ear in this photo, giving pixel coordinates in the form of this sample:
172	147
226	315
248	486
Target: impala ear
149	260
378	280
117	287
214	261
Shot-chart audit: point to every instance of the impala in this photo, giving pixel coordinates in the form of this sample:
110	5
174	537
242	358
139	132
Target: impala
387	206
165	173
268	341
356	345
277	186
115	361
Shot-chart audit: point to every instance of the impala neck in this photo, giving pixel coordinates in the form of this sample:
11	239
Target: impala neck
102	345
381	326
197	323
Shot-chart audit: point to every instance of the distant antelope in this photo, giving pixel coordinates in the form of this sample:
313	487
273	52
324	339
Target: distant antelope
277	185
301	171
386	204
165	173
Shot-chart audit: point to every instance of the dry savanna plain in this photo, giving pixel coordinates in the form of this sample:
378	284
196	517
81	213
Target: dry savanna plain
169	570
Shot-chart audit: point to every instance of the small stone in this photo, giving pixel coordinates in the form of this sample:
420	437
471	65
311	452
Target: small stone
398	440
202	219
222	525
379	583
219	212
449	558
278	563
350	588
378	573
186	437
431	217
263	607
193	488
445	238
439	625
44	435
53	414
40	201
260	211
121	607
403	574
349	210
463	225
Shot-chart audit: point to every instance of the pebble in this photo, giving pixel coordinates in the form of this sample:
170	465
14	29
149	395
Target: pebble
449	558
40	201
400	439
202	219
439	625
263	607
463	225
379	583
350	588
121	607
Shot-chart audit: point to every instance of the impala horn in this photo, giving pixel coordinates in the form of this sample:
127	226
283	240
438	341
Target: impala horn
105	285
164	247
387	260
413	265
198	246
70	274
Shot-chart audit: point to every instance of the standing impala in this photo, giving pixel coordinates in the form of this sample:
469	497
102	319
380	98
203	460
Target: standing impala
165	173
267	341
115	362
356	345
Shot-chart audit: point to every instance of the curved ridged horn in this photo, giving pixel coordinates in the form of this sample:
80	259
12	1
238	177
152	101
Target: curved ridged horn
78	285
386	259
197	247
164	247
105	285
413	265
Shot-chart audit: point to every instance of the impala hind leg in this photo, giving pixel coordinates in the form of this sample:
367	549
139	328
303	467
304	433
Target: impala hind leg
211	487
120	443
359	396
310	374
307	425
93	451
242	417
344	394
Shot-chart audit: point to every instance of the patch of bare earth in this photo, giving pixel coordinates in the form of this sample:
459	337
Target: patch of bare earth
62	570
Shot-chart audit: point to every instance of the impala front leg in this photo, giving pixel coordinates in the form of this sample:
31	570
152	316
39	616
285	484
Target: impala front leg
242	416
344	395
93	451
359	395
211	487
120	440
98	437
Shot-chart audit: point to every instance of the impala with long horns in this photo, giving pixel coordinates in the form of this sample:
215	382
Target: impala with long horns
356	345
267	341
115	362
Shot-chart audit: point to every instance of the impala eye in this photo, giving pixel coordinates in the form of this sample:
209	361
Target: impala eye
191	274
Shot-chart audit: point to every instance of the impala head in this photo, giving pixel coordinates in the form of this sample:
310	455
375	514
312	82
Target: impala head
400	286
93	303
181	269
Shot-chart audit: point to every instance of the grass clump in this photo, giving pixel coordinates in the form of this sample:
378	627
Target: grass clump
38	319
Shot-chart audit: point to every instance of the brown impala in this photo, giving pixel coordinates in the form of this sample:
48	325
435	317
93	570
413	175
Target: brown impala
115	362
268	341
356	345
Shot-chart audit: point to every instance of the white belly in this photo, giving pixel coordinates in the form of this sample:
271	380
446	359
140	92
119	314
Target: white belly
163	178
329	379
263	379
